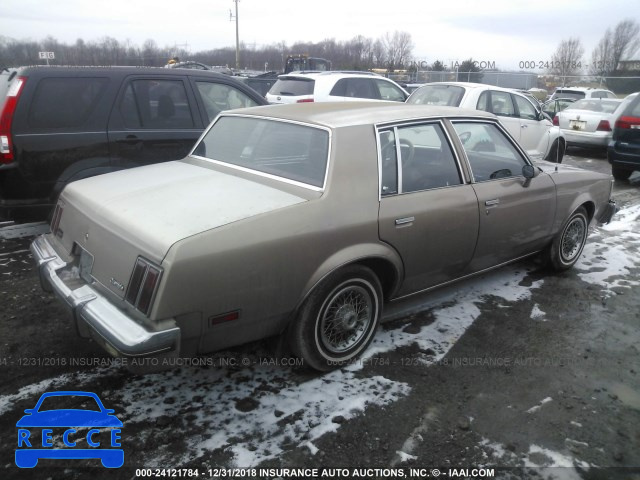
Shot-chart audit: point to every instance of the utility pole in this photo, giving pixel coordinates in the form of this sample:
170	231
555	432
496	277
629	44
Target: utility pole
231	17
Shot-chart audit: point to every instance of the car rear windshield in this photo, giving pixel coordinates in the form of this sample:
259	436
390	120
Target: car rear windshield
597	105
446	95
577	94
287	150
293	86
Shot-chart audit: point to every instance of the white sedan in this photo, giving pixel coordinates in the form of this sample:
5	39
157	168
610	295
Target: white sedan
525	121
589	122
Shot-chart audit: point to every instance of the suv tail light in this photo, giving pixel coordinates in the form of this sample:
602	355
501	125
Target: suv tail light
628	122
305	100
143	285
6	119
556	122
604	126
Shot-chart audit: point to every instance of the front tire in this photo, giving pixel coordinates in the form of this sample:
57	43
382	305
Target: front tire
338	320
568	244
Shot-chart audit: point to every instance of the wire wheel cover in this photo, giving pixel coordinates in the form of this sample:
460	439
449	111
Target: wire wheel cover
346	319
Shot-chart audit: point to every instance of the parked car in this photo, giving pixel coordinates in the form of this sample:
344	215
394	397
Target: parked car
624	149
582	92
587	123
60	124
262	229
551	107
523	118
334	86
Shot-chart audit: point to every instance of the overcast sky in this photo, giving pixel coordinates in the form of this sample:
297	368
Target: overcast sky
501	31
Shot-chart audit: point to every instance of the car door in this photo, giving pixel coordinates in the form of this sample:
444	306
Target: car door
534	128
155	119
428	213
516	214
501	104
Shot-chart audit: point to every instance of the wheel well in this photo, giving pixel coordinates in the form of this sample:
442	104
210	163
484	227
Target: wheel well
385	271
590	208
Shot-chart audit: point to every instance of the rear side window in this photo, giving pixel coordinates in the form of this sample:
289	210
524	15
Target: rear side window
426	159
156	104
355	88
293	87
65	102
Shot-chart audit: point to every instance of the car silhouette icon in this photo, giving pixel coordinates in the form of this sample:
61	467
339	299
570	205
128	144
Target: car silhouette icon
55	424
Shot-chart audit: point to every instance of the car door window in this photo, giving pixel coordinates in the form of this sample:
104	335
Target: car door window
426	159
361	88
501	104
388	91
525	109
217	97
491	155
156	104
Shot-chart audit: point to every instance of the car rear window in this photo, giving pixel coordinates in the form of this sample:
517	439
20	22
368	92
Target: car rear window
293	87
561	92
604	106
287	150
447	95
65	102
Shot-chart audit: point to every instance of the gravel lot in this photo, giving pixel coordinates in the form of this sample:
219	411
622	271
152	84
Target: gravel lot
518	368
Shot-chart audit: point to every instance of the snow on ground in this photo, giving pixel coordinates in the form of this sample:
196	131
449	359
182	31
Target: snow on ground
544	460
611	251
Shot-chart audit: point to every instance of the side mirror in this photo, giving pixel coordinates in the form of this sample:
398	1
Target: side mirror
528	171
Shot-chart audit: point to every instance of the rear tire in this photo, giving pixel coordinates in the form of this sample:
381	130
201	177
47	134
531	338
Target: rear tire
556	154
338	320
567	246
620	173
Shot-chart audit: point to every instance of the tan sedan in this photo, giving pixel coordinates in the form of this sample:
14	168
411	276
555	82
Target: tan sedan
304	220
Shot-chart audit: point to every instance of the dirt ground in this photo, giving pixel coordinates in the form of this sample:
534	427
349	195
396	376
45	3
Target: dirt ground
534	374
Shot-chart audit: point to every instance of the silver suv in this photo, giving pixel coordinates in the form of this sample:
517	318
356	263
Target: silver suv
334	86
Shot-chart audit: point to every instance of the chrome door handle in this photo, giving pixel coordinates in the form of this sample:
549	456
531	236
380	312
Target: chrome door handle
405	220
495	201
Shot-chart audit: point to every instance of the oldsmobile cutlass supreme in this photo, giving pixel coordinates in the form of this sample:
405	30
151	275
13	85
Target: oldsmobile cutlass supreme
304	220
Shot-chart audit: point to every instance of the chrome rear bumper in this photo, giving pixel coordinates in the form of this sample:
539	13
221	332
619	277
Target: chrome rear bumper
118	333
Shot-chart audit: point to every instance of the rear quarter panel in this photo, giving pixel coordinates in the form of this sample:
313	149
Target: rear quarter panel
265	265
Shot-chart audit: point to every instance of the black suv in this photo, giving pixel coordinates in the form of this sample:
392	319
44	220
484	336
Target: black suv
624	148
60	124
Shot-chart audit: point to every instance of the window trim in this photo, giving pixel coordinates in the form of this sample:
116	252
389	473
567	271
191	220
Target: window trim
264	174
509	139
395	126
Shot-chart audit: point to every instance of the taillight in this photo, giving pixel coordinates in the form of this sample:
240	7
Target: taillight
305	100
628	122
6	119
55	220
604	126
143	285
556	122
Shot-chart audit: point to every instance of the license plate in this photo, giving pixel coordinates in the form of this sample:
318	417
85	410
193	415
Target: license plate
85	265
577	124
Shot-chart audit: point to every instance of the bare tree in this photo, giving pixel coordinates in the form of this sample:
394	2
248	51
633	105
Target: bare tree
616	45
567	59
398	47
